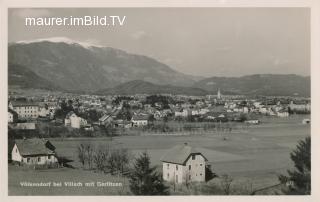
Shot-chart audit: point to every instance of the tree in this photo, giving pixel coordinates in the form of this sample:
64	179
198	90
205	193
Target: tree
100	157
81	154
225	182
299	178
89	152
144	180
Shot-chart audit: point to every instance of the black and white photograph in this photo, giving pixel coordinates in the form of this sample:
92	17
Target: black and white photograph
152	101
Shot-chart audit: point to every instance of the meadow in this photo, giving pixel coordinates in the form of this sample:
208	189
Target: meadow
257	155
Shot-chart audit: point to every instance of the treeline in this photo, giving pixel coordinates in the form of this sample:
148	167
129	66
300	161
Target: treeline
90	115
48	130
104	158
143	178
171	127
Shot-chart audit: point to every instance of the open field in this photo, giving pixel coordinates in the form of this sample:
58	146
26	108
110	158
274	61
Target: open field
257	154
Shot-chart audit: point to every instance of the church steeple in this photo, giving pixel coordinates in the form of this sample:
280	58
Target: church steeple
219	94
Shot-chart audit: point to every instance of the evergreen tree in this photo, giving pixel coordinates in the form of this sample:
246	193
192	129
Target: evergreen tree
300	177
144	180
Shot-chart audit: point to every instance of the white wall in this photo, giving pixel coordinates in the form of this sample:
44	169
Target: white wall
10	117
27	111
15	155
197	171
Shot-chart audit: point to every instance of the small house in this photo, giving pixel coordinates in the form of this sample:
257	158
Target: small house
33	151
74	121
183	164
139	120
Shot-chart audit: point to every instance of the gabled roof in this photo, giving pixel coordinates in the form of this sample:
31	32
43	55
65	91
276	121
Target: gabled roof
179	154
12	111
34	146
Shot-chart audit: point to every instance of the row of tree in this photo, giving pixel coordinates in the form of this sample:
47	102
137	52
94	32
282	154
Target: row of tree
143	178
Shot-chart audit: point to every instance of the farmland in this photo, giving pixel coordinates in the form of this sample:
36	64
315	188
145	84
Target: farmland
258	154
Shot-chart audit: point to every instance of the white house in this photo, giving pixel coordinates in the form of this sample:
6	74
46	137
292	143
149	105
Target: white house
252	121
25	109
10	116
183	113
183	164
33	151
139	120
74	121
282	113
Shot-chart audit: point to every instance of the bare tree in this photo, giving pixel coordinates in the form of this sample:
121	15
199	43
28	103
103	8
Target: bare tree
124	158
81	154
118	160
225	182
89	151
100	157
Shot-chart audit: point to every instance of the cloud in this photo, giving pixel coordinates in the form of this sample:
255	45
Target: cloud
28	12
139	35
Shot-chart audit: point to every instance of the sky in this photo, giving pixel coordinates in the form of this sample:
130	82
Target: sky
196	41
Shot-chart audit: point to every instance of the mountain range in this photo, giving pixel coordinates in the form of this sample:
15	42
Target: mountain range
71	66
145	87
78	67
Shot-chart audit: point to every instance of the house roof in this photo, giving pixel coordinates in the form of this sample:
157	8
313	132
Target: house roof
23	103
140	117
12	111
34	146
179	154
69	114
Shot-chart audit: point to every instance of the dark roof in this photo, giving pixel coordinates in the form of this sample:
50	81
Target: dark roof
23	103
69	114
34	146
179	154
140	117
12	111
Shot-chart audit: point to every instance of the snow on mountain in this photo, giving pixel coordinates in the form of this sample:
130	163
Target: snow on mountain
86	44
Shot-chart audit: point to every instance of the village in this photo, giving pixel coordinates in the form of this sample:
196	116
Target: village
87	111
36	122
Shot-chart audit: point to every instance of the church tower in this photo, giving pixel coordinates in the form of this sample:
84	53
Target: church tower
219	94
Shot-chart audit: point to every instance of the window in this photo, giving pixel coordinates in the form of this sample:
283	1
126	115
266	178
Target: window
200	164
168	176
189	167
28	160
177	179
39	159
168	165
189	177
177	167
193	157
16	150
49	157
200	174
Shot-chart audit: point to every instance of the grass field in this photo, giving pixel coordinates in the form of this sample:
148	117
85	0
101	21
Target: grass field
258	154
